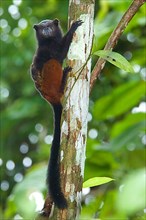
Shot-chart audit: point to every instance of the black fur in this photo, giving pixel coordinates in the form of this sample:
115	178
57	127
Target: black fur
51	44
53	175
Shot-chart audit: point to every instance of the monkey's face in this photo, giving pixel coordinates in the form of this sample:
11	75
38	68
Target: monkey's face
47	29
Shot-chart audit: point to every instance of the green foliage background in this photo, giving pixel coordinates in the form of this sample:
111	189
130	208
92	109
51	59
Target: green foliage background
116	138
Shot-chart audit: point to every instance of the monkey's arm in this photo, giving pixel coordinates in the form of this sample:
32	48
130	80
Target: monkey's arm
67	39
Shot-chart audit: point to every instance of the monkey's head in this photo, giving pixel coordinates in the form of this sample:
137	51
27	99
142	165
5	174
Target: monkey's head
48	29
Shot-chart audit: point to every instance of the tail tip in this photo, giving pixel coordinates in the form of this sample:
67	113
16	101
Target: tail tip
62	205
61	202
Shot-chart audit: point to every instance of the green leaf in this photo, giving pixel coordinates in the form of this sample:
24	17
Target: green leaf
130	120
131	197
127	136
23	108
119	101
116	59
96	181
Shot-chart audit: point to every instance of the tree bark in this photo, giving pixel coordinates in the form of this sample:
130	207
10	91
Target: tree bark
76	101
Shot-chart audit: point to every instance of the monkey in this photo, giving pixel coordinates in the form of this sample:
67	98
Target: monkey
50	78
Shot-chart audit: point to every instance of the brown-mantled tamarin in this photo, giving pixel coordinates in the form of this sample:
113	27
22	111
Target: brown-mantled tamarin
49	79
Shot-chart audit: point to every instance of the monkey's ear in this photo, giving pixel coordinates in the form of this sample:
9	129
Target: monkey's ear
56	21
35	26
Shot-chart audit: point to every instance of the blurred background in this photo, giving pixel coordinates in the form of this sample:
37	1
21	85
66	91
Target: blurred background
116	129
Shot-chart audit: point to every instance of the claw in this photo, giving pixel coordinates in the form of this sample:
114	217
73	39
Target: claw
76	24
79	22
67	69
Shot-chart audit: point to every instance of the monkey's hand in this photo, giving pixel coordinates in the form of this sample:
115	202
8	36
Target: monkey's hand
67	70
75	25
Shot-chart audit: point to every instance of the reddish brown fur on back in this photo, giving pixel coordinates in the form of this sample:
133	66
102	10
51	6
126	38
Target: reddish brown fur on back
51	80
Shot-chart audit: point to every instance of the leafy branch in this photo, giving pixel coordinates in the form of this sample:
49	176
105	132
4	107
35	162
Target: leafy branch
132	10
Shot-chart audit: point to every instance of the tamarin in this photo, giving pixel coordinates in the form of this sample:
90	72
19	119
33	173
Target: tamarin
49	79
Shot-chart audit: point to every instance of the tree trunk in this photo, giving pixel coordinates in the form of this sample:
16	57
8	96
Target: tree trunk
75	113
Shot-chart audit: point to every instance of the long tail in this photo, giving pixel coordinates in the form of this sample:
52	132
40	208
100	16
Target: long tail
53	175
